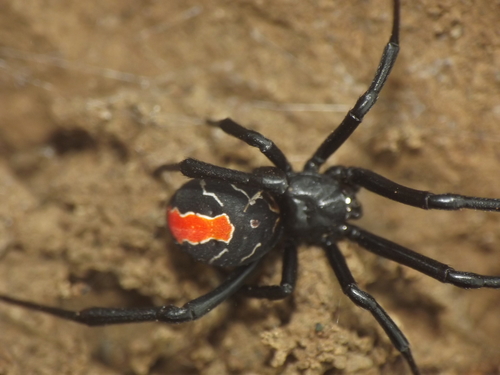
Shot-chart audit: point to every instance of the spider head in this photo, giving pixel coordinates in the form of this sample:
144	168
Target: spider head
315	204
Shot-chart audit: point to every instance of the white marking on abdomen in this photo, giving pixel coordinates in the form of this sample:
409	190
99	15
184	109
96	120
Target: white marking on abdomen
252	253
252	200
213	195
218	256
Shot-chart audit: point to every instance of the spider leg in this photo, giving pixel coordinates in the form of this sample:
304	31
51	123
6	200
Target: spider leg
268	178
412	197
288	278
419	262
364	103
367	302
98	316
255	139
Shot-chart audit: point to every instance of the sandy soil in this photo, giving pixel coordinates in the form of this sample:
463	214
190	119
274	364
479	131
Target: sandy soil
96	94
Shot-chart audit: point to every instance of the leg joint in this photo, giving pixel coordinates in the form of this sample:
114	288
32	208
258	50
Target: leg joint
360	297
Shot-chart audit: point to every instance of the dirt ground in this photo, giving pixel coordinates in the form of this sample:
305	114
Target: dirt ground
94	95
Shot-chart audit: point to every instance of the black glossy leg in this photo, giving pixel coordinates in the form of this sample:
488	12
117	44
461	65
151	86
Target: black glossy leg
255	139
412	197
98	316
367	302
364	103
288	279
271	179
419	262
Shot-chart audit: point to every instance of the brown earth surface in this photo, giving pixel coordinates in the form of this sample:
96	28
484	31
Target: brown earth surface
94	95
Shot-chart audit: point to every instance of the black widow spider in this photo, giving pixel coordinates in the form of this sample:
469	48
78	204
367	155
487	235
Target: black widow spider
230	218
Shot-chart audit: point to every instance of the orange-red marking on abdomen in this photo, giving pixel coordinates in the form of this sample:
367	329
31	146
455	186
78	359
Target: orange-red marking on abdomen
197	229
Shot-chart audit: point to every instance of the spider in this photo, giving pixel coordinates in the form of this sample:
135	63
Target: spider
230	218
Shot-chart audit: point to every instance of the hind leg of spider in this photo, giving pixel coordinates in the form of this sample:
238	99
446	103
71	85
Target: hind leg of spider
270	178
411	197
419	262
288	278
255	139
196	169
98	316
367	302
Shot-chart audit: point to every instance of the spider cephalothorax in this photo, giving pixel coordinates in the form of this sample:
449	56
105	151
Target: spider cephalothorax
314	201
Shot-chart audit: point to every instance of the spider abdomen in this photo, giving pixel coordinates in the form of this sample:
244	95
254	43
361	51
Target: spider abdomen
223	224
